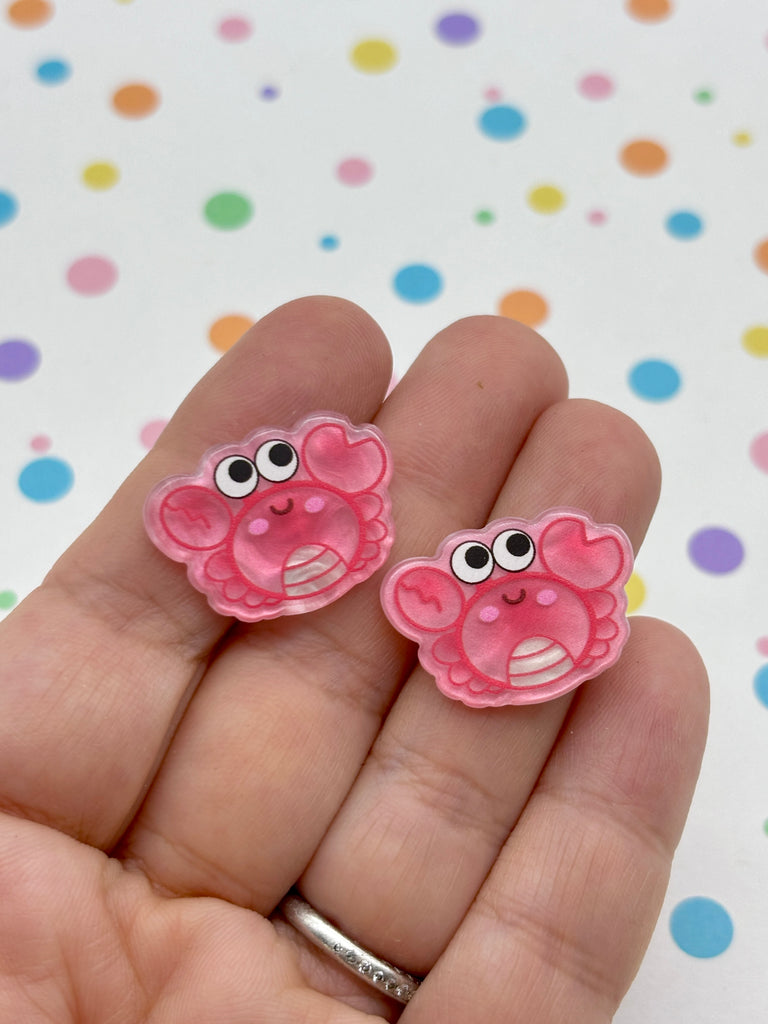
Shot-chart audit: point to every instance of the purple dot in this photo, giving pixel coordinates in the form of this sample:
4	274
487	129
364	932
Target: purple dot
457	29
270	92
716	550
18	359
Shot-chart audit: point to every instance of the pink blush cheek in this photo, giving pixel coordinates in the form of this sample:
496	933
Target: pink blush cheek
258	526
314	504
546	597
489	614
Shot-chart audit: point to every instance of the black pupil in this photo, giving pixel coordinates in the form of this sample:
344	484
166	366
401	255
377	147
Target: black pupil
240	471
476	557
280	454
518	545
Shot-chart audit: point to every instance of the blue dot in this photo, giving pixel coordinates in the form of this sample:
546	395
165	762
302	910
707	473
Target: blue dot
761	685
701	927
684	224
52	72
654	379
502	122
46	479
329	243
9	207
418	283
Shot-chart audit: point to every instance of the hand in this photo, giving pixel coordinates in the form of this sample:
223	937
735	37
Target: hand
167	776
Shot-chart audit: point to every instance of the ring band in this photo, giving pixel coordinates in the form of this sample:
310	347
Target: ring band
393	982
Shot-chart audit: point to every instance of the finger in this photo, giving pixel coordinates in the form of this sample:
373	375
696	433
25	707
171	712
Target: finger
560	927
99	660
284	719
445	783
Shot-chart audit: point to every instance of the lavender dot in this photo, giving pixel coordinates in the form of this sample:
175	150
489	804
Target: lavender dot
457	29
18	359
716	550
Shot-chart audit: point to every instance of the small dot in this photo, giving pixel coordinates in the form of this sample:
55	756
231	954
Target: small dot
136	100
758	452
53	72
40	443
643	157
235	30
635	591
755	341
418	283
9	207
526	306
761	255
502	122
269	92
701	927
92	275
597	217
761	685
354	171
655	380
374	56
227	330
485	217
7	600
457	29
100	176
228	210
716	550
704	96
492	94
150	432
762	646
742	138
329	243
684	225
46	479
546	199
30	13
596	86
18	359
649	10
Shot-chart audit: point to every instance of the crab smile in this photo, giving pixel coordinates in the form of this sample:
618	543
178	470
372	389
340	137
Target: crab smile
282	511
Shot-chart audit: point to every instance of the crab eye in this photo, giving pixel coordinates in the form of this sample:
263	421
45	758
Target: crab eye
472	562
513	550
236	476
277	460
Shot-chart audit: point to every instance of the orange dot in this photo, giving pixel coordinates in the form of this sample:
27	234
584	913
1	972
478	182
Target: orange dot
649	10
761	255
30	13
528	307
227	330
644	157
136	100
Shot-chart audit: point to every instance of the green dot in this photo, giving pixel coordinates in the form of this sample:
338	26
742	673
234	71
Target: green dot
7	599
703	95
484	217
765	826
228	210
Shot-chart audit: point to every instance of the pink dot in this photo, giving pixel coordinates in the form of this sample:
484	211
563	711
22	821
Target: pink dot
546	597
493	95
40	443
597	217
596	87
151	431
758	452
258	526
354	171
489	614
235	30
762	645
92	275
314	504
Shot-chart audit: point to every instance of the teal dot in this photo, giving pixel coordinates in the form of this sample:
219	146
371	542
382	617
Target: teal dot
761	685
9	207
701	927
654	379
329	243
53	72
418	283
684	224
46	479
502	122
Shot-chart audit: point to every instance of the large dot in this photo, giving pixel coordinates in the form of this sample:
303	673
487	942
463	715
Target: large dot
635	591
228	210
761	685
761	255
643	157
701	927
649	10
9	207
457	29
654	379
755	340
100	175
418	282
502	122
524	305
52	72
684	224
136	99
92	275
546	199
716	550
46	479
224	332
374	56
758	451
235	29
29	13
18	359
354	171
596	86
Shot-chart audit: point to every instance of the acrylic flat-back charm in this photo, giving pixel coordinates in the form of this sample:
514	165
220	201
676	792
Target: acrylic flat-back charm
519	612
283	522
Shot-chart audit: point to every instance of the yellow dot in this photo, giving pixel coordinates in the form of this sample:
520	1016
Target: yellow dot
755	341
635	591
742	138
546	199
526	306
374	56
101	175
227	330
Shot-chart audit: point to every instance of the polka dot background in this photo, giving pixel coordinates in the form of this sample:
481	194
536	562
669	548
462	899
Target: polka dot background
427	165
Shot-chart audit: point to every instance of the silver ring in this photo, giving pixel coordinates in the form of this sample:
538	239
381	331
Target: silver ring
393	982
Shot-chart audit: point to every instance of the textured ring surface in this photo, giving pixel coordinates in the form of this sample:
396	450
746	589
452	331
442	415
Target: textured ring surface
393	982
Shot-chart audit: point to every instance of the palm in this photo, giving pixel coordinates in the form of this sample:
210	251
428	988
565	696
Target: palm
493	849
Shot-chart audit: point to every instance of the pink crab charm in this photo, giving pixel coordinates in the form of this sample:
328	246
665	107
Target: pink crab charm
518	612
285	522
